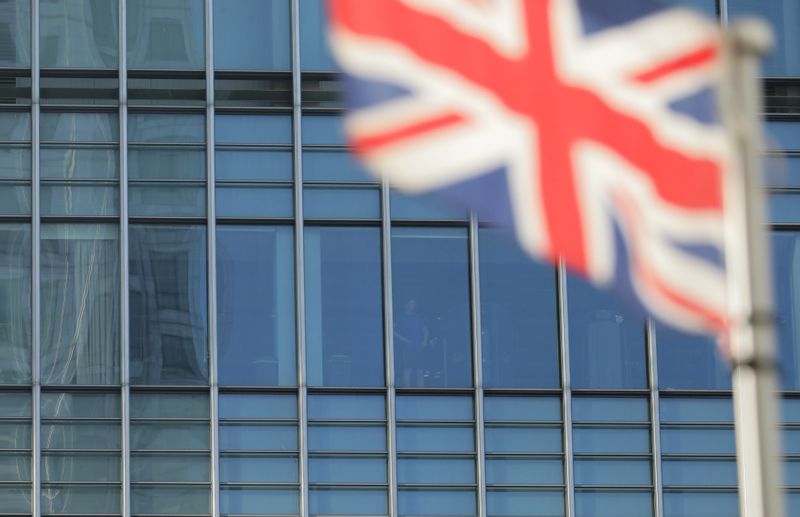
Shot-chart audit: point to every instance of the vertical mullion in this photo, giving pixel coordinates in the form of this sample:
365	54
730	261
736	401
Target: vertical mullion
36	438
299	259
211	248
388	336
477	361
655	421
566	384
723	12
125	474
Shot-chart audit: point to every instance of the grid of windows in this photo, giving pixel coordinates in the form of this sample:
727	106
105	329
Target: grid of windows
208	308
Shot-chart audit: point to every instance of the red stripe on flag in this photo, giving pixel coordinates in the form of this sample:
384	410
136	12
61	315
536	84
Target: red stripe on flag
367	144
700	57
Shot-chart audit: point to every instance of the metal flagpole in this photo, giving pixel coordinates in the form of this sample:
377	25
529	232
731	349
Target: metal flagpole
752	337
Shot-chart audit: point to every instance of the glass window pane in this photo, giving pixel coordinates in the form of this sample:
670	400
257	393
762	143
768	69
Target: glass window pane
524	471
166	34
314	52
257	405
15	303
708	7
518	438
255	305
346	407
170	500
15	126
608	503
71	163
169	342
436	470
500	408
253	437
697	440
166	467
610	409
332	165
259	469
434	407
80	436
348	501
58	199
346	469
786	267
169	435
339	437
79	405
696	409
617	471
431	307
15	199
524	503
15	404
15	25
164	200
689	362
700	504
255	201
80	499
784	59
606	341
427	438
81	466
344	321
610	439
78	34
14	466
169	405
423	207
166	163
16	498
258	501
439	502
79	127
253	129
163	128
700	472
518	316
339	202
253	164
15	435
323	130
251	35
15	162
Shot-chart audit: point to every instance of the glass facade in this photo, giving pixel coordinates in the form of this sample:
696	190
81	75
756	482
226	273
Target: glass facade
208	308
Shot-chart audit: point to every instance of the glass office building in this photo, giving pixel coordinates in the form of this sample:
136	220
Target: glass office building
208	309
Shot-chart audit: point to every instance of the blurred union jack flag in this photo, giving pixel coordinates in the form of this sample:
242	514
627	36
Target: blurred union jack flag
588	127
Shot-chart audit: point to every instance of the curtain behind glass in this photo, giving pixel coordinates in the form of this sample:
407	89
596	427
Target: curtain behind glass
15	304
80	303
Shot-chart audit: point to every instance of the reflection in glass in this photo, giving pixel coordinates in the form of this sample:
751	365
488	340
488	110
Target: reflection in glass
251	35
15	161
161	128
78	34
431	307
80	304
518	316
689	362
79	127
15	34
169	343
255	305
15	303
166	34
606	341
344	331
81	162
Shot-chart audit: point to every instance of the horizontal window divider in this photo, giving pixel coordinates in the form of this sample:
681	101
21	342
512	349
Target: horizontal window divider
237	73
610	423
318	110
231	484
779	153
671	393
84	144
526	486
157	73
144	146
107	219
15	419
433	223
80	483
82	451
337	454
168	220
346	452
22	484
325	484
524	455
628	392
627	487
695	425
168	181
232	146
224	420
16	218
177	452
80	419
777	189
232	390
703	488
255	221
454	486
17	144
15	451
346	390
332	422
514	423
698	456
363	185
433	423
67	388
785	226
311	222
258	452
171	420
442	454
171	483
620	455
177	110
79	73
251	110
18	388
79	181
15	181
781	115
255	183
327	147
78	108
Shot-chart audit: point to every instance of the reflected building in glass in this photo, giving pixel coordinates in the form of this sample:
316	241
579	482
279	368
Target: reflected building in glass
208	308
